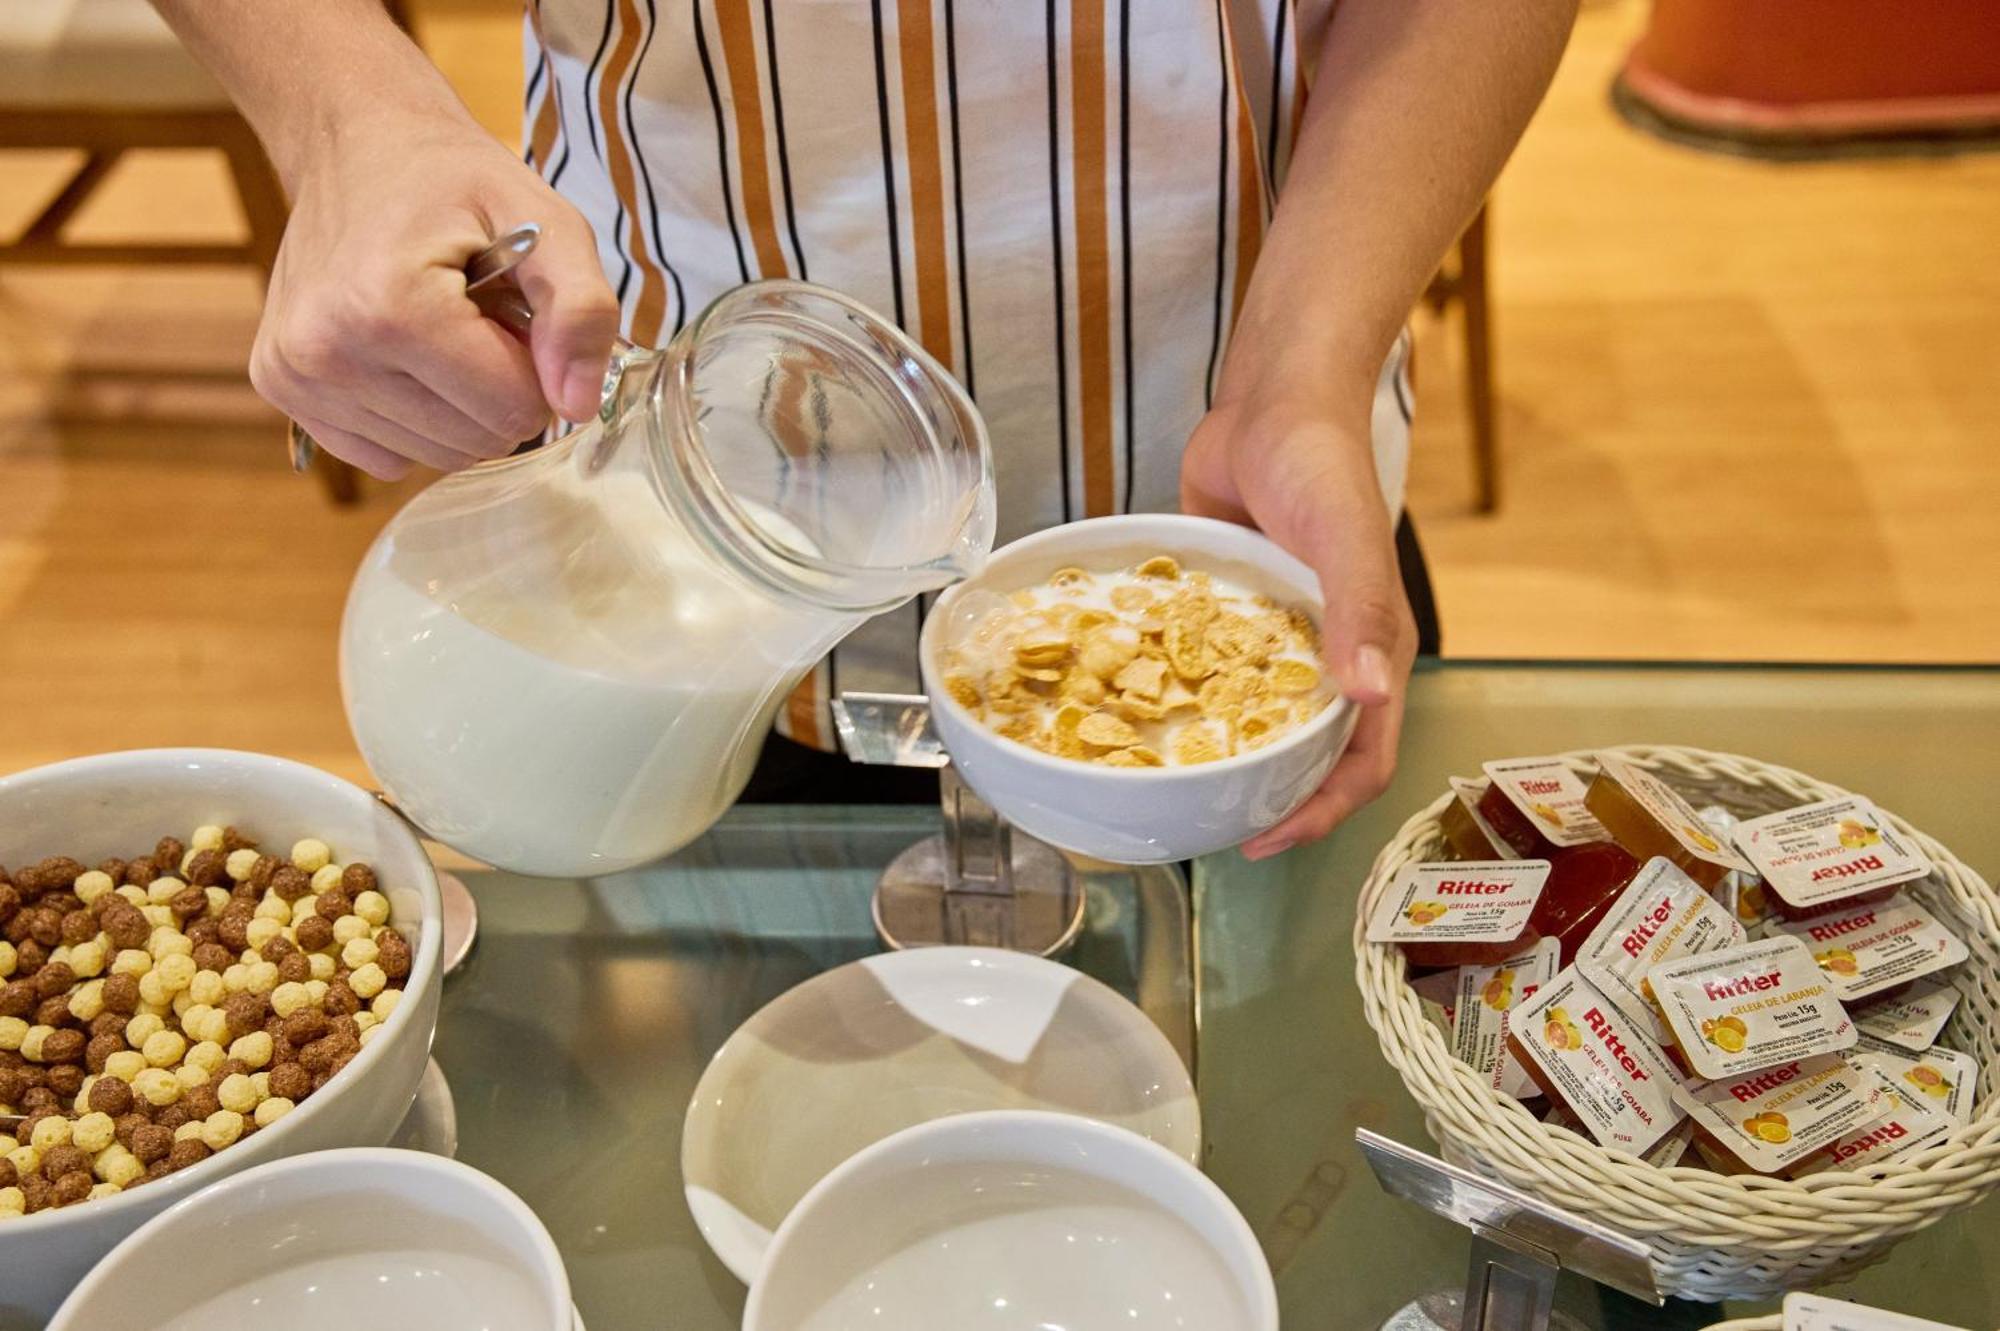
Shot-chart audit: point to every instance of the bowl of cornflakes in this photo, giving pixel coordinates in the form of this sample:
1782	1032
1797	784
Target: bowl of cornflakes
1139	689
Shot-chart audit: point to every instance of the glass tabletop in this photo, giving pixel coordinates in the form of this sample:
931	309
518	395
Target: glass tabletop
1289	1067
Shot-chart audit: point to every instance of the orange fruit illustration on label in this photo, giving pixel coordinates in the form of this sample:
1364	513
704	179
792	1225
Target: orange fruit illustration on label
1499	991
1929	1080
1854	834
1838	960
1559	1032
1546	813
1750	906
1422	913
1726	1033
1772	1127
1701	838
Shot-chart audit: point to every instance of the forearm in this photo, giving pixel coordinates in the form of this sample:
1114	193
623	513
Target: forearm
1415	106
300	70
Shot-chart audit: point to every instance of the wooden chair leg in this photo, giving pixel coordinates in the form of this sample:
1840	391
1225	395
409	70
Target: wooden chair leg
264	209
1472	293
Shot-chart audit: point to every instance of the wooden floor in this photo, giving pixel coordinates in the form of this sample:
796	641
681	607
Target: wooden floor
1750	411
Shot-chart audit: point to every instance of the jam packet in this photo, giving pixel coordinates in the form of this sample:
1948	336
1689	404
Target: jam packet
1601	1067
1438	992
1662	915
1551	796
1908	1125
1649	817
1480	1018
1829	851
1665	1153
1738	1009
1775	1117
1878	946
1467	831
1458	911
1945	1078
1909	1020
1818	1312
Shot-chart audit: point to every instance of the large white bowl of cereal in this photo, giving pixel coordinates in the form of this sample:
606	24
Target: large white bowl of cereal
211	960
1141	689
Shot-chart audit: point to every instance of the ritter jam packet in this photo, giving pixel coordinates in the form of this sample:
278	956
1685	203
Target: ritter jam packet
1667	807
1738	1009
1603	1069
1818	1312
1909	1124
1438	993
1458	901
1486	995
1775	1117
1946	1078
1824	852
1877	946
1910	1020
1550	795
1663	914
1466	796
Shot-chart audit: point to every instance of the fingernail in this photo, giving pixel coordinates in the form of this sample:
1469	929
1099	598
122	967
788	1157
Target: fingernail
583	390
1371	672
1267	850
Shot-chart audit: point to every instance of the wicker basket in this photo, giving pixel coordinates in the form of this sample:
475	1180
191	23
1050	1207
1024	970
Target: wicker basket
1713	1236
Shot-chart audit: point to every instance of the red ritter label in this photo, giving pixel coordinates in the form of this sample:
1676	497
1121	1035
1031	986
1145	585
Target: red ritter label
1822	852
1603	1068
1550	795
1871	948
1465	901
1664	914
1738	1009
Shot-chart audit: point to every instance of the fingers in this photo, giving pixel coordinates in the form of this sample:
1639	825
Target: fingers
575	314
370	457
1362	774
467	384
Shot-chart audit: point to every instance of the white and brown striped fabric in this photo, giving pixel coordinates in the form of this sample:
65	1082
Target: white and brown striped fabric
1061	201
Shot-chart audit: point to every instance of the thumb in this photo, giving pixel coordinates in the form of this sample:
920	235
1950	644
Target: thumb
575	315
1365	627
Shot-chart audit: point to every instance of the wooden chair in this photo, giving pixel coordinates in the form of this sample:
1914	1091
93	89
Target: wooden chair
1465	282
108	77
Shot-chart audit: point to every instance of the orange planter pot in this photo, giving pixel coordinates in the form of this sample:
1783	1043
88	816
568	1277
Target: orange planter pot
1819	69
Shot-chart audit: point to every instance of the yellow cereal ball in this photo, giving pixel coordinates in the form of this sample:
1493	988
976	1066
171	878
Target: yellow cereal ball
364	1018
368	981
221	1129
88	1001
262	1081
372	906
7	1144
262	930
25	1159
239	863
99	1191
13	1030
133	893
125	1064
326	878
13	1202
236	1092
206	837
191	1075
271	1110
176	971
132	961
385	1003
88	959
254	1049
316	989
166	941
214	1027
162	889
349	927
236	977
115	1164
358	952
191	1128
207	1055
32	1042
251	956
93	1132
158	916
289	997
206	987
153	990
10	960
91	885
323	968
141	1028
311	854
60	954
157	1086
50	1133
217	898
368	1036
263	977
273	907
182	1002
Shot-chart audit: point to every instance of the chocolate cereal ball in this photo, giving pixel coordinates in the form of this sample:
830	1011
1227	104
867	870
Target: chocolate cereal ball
187	1151
110	1095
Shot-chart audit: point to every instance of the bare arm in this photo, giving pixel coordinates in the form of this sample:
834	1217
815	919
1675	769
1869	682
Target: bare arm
367	339
1415	106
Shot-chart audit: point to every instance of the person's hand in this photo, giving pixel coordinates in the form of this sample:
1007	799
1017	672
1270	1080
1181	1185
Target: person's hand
1304	474
368	339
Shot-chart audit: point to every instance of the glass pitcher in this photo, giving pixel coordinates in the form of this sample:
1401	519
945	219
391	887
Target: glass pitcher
565	662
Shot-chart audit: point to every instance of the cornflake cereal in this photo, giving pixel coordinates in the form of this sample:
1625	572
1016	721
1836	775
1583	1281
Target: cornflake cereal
1149	666
1738	1009
1774	1118
141	1024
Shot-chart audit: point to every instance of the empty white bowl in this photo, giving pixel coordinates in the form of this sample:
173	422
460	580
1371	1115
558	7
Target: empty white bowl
1014	1221
333	1241
1138	815
114	804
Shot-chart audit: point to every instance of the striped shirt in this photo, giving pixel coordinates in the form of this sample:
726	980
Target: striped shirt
1061	201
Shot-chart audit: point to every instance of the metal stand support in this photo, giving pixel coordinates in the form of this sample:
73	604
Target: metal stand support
979	882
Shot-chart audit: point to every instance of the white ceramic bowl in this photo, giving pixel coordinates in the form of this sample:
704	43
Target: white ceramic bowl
94	808
333	1241
1014	1221
1138	815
